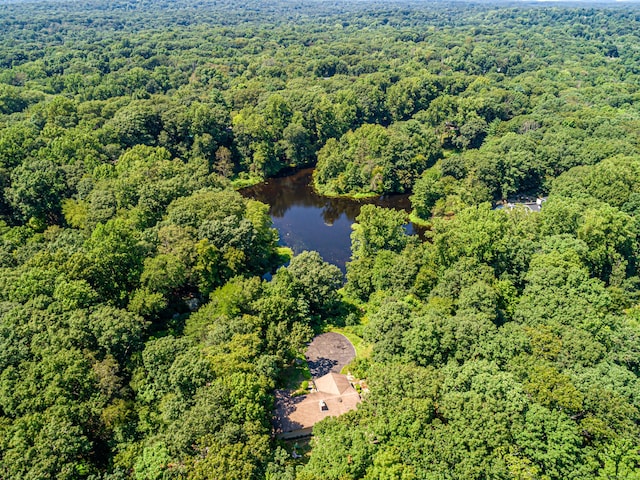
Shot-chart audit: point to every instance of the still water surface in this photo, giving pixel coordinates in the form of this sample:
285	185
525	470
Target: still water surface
309	221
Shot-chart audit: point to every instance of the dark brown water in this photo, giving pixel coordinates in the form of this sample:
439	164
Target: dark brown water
309	221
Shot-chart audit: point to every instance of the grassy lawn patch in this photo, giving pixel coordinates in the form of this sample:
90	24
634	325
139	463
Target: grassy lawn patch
296	376
354	334
243	182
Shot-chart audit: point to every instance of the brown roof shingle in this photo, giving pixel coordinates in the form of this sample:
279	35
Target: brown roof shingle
299	413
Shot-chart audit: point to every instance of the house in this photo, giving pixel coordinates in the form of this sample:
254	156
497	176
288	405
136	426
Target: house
295	416
528	203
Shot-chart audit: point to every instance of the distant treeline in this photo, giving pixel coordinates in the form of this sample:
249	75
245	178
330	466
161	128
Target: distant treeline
137	337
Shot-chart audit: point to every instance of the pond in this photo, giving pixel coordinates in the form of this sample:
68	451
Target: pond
309	221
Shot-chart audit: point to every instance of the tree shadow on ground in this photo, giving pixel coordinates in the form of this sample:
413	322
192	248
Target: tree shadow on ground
321	366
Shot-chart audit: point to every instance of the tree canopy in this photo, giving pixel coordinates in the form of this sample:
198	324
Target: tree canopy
147	312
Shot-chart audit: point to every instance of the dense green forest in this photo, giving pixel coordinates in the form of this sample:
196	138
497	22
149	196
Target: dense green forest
138	336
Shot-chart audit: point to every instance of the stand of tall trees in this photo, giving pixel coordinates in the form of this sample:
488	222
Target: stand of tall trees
138	338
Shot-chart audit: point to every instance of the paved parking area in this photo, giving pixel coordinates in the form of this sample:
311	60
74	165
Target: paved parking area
329	352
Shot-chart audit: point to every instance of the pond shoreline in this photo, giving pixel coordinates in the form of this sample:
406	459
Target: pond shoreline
308	220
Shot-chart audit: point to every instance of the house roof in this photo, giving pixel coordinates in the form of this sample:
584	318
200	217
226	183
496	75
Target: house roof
302	412
333	383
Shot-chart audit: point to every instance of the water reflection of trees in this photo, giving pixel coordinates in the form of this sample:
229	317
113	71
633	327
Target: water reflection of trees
295	190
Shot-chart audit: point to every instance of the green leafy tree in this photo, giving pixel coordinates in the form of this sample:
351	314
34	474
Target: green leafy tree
37	188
